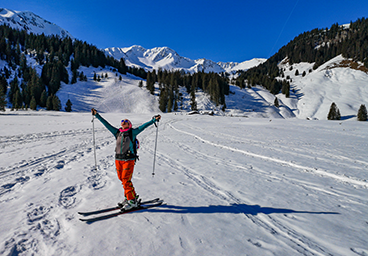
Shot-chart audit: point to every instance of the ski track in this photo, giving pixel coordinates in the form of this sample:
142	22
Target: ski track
285	149
42	228
295	240
341	178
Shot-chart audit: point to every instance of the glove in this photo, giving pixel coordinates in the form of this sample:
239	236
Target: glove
94	111
157	117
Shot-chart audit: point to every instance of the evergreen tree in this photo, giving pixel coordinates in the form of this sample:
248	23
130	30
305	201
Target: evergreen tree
33	104
17	100
334	113
49	103
43	100
3	85
140	84
163	101
56	104
2	101
276	103
193	103
122	68
362	113
14	87
68	107
74	76
150	83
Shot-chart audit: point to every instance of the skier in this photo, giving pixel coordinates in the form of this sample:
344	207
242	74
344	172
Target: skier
126	155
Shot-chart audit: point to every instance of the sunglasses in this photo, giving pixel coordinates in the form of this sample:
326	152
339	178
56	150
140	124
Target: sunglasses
125	121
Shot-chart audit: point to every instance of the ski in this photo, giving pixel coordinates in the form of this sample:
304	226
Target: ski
115	208
141	207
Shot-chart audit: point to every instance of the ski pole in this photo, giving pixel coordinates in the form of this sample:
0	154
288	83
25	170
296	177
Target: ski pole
94	140
154	155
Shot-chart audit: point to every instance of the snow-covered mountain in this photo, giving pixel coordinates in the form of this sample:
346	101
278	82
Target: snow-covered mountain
166	58
137	56
31	22
311	94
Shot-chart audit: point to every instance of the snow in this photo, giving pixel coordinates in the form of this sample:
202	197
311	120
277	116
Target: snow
315	92
166	58
232	186
253	180
108	95
31	22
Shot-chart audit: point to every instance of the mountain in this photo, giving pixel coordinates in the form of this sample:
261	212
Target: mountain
30	22
313	85
166	58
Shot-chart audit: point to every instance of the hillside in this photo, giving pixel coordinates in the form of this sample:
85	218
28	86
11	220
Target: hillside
317	68
30	22
311	86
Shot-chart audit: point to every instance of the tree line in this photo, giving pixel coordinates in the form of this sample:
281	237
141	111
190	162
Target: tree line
170	98
316	46
54	54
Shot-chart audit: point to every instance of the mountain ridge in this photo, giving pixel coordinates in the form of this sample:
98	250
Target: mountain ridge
31	22
167	58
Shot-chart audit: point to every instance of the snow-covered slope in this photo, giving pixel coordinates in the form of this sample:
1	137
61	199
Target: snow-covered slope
232	186
334	81
108	95
166	58
311	95
31	22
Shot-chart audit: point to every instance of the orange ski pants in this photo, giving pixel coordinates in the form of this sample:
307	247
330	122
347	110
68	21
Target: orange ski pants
125	173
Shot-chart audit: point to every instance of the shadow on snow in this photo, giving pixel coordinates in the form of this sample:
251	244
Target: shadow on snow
233	208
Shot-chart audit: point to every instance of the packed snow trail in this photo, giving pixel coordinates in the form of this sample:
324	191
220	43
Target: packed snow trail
233	186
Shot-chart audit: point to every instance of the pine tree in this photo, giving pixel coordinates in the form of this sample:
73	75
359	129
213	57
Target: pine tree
68	107
43	99
33	104
14	87
56	104
163	101
122	68
2	101
3	85
49	103
150	83
334	113
362	113
276	103
74	76
193	103
17	100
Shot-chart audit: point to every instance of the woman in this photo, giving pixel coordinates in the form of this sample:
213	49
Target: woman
126	155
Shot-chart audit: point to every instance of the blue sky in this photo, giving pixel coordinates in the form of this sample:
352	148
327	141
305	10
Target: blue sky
218	30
